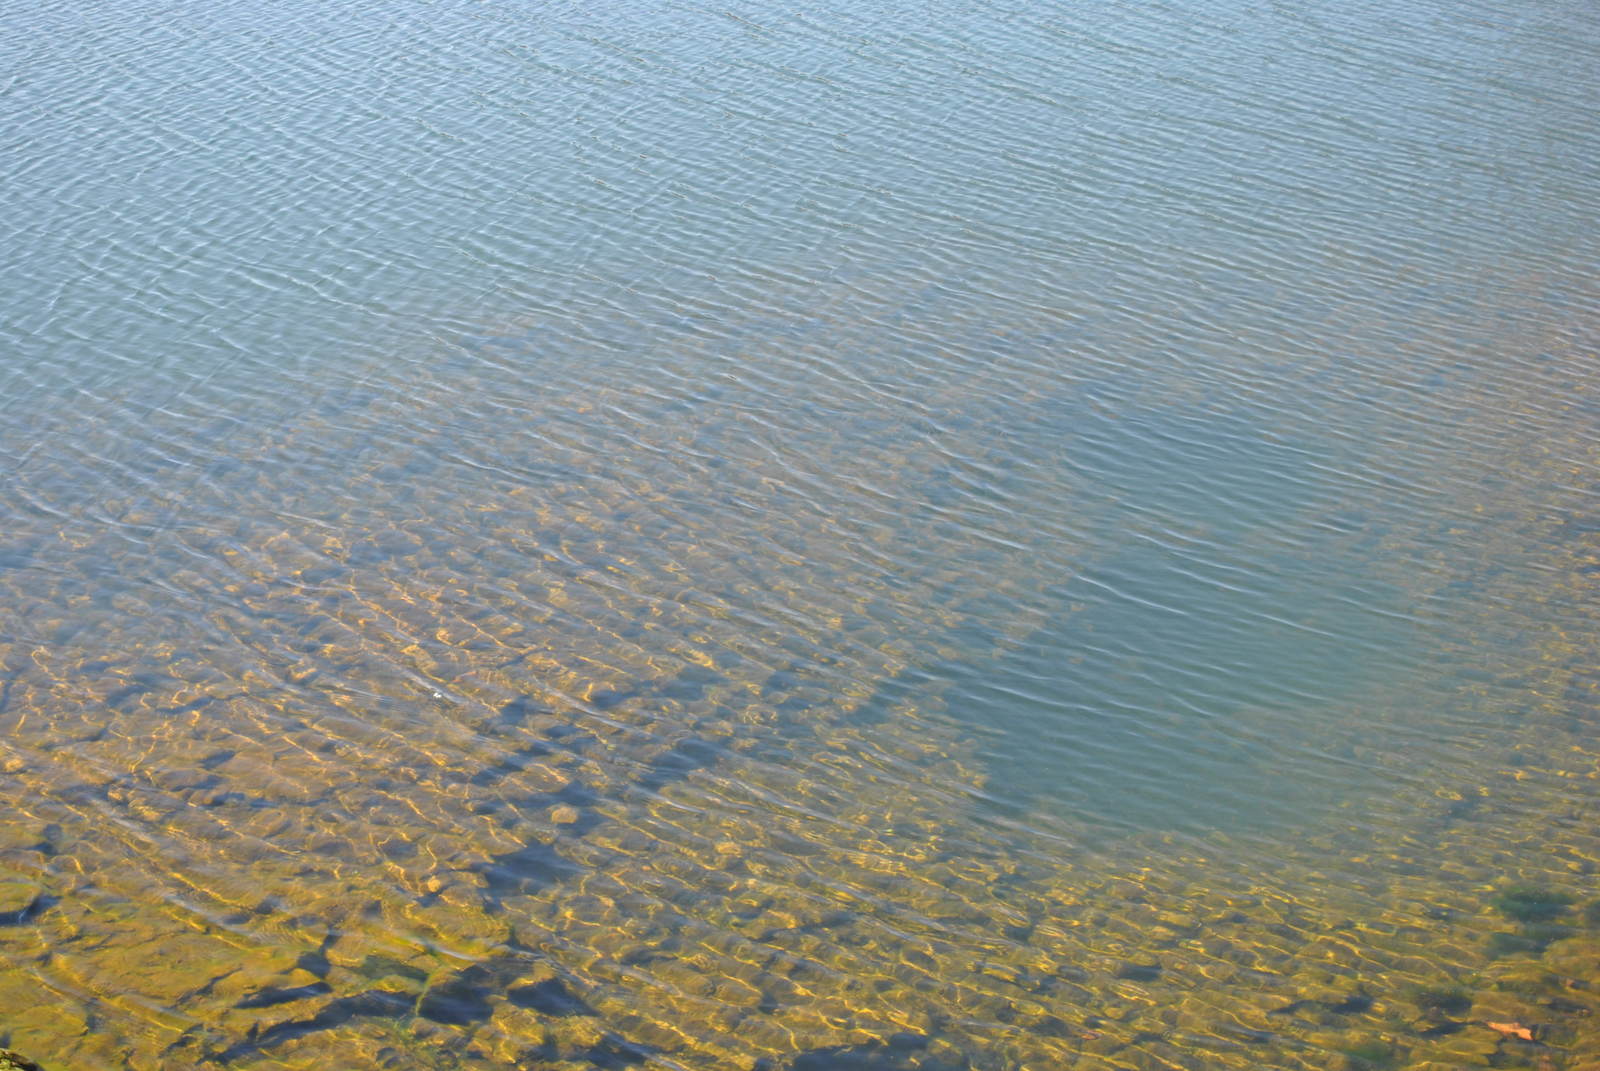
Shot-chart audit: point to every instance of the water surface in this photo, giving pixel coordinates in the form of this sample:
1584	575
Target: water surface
855	537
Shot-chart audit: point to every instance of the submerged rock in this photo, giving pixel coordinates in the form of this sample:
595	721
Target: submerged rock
21	901
902	1052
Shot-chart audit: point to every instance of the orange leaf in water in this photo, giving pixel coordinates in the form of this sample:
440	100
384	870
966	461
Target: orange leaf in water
1512	1030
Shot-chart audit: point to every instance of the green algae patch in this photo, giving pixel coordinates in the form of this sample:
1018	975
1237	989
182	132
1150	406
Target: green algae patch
1532	903
1373	1055
1441	1000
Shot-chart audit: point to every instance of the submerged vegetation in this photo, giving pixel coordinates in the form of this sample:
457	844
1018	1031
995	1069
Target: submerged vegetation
1532	903
1441	1001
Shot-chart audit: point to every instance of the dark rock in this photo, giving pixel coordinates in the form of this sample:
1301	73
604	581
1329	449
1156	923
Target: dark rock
375	1003
1291	1008
615	1053
1352	1005
517	712
28	908
549	997
1440	1030
272	994
530	869
457	1002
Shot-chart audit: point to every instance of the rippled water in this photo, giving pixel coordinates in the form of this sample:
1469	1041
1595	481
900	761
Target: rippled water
853	537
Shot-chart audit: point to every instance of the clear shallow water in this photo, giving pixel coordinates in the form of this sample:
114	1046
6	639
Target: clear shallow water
861	537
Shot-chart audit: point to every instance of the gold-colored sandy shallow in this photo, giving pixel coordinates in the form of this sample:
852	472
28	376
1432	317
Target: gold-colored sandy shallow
467	724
